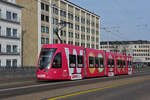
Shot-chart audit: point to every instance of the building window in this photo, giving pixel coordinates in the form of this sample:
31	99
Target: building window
42	6
82	28
83	20
15	16
8	31
55	21
43	29
8	15
0	13
88	37
0	48
14	48
55	10
42	17
47	18
42	40
70	16
0	64
62	13
77	27
93	24
70	25
97	46
76	35
14	32
77	18
88	22
8	63
47	40
71	34
47	29
93	46
14	63
47	7
8	48
0	31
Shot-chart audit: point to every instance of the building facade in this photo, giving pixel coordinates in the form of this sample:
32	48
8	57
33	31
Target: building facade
42	17
10	34
140	50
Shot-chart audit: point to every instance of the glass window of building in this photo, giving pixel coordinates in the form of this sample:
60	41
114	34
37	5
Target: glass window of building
8	48
70	16
47	18
47	40
55	10
42	17
47	29
8	15
8	31
15	16
8	63
0	48
14	48
14	63
0	30
43	29
47	7
42	40
0	13
42	6
77	18
14	32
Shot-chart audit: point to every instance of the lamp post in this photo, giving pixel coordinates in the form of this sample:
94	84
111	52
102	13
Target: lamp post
52	33
60	26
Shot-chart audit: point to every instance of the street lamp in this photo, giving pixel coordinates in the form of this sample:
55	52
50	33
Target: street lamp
60	26
52	33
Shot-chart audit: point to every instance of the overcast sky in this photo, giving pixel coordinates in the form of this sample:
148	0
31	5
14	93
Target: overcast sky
121	19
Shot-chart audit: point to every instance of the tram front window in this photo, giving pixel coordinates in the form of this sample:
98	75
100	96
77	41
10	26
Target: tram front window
46	56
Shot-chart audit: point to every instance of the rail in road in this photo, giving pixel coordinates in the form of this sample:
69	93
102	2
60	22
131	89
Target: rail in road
27	88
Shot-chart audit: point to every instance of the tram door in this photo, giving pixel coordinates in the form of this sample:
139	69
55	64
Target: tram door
74	67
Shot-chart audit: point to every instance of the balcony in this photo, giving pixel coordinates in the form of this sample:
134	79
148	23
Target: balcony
4	52
11	20
10	37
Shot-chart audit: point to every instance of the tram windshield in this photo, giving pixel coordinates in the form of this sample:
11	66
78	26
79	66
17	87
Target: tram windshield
46	56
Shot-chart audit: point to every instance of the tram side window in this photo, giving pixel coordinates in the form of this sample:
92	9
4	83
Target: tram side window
91	62
129	64
72	61
124	64
97	64
121	63
118	63
101	62
57	62
112	62
80	61
108	62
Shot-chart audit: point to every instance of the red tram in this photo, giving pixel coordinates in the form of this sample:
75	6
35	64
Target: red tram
63	61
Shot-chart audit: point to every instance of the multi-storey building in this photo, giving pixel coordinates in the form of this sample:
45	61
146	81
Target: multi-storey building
140	50
10	33
41	18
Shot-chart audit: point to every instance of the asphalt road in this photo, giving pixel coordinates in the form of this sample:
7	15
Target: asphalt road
137	91
33	90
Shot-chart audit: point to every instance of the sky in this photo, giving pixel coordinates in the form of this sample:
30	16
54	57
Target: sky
121	20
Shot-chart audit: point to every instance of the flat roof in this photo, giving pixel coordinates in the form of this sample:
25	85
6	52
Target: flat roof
82	8
126	42
12	4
